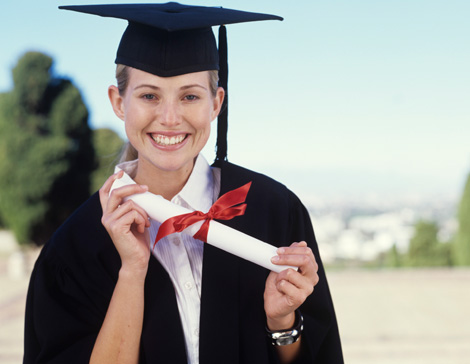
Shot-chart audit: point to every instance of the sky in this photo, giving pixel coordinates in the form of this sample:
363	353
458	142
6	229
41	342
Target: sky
353	99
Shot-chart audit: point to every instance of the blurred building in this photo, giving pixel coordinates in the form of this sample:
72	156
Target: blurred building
349	230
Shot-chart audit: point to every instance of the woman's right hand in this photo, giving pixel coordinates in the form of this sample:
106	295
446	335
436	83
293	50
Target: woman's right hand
126	223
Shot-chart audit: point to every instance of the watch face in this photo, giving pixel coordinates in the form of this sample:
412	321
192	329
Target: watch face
287	340
287	337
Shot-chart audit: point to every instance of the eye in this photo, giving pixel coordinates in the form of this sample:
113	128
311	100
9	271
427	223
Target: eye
191	97
149	97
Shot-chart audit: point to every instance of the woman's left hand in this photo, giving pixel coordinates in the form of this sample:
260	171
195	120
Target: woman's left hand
287	290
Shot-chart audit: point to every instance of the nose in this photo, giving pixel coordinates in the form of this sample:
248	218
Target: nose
170	115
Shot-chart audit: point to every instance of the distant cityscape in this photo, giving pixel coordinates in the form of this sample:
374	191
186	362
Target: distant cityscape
347	230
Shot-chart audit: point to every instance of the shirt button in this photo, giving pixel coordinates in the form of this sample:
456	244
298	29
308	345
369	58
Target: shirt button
175	241
188	285
196	332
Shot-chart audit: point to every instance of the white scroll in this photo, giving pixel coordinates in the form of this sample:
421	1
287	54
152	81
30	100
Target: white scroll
219	235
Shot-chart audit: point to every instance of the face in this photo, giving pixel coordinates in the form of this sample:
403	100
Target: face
167	119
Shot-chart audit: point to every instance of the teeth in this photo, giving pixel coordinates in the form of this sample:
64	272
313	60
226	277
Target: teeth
165	140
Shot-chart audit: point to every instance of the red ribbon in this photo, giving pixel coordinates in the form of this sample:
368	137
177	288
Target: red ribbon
225	208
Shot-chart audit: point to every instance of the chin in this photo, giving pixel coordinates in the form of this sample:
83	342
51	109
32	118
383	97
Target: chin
173	166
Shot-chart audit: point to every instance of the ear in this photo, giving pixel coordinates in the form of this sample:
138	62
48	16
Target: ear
218	100
116	101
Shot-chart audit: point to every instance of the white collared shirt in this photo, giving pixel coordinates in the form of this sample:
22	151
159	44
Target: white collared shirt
181	254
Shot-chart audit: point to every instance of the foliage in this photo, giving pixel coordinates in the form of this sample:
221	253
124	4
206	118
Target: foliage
393	258
425	249
462	239
107	145
45	150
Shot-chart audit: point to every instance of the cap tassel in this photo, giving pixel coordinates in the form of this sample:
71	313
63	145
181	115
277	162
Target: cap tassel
222	120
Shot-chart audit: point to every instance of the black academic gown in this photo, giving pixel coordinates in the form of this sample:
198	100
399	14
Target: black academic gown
74	278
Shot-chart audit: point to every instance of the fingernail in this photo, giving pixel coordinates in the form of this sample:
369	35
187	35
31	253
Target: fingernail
144	187
275	259
281	251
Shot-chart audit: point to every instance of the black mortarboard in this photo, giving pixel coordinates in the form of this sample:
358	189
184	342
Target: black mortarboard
173	39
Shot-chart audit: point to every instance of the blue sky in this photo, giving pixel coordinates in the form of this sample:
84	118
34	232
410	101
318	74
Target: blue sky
343	98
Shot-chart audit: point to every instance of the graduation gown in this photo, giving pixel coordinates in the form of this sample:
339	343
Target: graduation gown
75	274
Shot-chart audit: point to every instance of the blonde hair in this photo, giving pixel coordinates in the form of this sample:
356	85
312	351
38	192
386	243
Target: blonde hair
129	153
122	78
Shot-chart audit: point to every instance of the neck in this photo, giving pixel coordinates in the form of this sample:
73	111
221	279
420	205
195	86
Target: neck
164	183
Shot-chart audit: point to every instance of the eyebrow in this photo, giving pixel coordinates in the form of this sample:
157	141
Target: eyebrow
147	86
193	85
186	87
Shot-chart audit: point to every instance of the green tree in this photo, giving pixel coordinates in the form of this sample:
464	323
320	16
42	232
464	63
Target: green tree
107	145
46	152
393	258
425	249
462	239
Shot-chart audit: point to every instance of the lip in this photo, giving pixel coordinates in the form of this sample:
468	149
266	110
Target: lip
169	134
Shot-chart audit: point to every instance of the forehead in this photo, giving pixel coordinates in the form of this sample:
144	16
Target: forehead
137	77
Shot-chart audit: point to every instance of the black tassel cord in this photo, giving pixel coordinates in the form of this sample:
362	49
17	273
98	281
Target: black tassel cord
222	121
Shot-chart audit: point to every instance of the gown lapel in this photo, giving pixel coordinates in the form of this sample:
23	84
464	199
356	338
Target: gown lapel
219	308
219	322
163	338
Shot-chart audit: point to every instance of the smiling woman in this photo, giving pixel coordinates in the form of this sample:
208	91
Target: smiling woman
100	293
167	120
122	78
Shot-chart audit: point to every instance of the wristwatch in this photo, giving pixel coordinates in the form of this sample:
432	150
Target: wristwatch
290	336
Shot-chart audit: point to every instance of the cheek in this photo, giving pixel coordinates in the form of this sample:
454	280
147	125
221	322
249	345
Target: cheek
134	117
203	131
134	125
200	119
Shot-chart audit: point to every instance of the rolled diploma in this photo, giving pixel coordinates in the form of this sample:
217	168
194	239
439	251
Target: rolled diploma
219	235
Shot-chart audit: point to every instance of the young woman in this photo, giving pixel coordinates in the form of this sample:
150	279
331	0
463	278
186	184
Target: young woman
101	293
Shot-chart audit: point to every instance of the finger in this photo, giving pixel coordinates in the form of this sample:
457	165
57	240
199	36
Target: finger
301	257
125	208
143	221
121	219
104	190
295	248
124	217
140	223
299	280
131	205
300	248
296	255
293	295
300	243
118	195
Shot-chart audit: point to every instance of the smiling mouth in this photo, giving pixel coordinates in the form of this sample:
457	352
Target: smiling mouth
168	140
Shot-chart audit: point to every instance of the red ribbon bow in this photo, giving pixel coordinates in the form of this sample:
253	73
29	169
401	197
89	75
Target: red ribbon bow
223	209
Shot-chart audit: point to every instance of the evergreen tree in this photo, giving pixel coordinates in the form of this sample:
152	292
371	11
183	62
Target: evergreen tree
462	239
393	258
423	244
107	145
46	152
425	249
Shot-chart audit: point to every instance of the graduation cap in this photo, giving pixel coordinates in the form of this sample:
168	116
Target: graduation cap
173	39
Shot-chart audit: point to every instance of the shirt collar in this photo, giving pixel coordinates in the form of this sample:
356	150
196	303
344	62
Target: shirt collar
197	193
